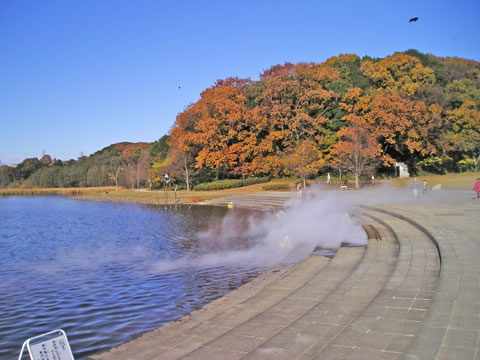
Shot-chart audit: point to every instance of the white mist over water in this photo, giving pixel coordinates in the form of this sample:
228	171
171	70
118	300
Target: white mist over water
252	239
290	235
285	236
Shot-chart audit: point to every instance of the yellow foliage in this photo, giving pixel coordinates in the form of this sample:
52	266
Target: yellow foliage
399	72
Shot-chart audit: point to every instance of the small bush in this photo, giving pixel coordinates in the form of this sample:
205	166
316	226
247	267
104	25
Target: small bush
230	184
468	164
432	164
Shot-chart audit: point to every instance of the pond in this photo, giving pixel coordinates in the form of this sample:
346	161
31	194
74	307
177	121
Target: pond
104	272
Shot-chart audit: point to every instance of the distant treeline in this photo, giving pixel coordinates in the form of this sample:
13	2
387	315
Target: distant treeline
347	114
122	164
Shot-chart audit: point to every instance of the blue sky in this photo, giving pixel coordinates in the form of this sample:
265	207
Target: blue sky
76	76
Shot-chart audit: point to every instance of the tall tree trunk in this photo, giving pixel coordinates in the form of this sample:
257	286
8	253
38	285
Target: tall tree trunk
187	177
138	175
357	185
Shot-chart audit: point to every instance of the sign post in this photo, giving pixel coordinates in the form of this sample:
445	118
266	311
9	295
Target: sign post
49	346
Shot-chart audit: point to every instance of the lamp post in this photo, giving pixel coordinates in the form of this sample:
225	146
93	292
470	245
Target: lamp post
166	181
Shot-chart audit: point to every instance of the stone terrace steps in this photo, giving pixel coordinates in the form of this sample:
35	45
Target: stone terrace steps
261	201
334	312
388	326
451	329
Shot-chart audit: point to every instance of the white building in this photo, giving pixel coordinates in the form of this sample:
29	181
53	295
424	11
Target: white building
401	169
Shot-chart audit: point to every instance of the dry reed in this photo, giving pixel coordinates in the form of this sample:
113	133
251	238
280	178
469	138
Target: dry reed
56	191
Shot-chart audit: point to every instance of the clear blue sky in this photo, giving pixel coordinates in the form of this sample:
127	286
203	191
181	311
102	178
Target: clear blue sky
76	76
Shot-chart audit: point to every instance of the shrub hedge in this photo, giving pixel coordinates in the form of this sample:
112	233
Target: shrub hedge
278	187
230	184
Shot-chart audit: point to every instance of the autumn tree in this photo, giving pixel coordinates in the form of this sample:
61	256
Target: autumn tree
46	160
113	175
181	166
218	130
398	72
402	127
463	135
296	105
304	161
357	151
350	74
137	156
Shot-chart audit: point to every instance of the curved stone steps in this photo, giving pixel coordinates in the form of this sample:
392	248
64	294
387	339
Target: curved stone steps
388	326
314	330
451	329
262	201
284	312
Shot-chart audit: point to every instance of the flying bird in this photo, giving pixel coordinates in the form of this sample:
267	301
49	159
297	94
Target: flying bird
413	19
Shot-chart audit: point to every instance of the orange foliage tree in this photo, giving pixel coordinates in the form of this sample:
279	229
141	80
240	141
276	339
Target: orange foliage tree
357	151
224	135
401	126
294	103
304	161
137	156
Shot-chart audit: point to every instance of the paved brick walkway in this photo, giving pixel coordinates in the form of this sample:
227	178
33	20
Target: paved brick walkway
412	293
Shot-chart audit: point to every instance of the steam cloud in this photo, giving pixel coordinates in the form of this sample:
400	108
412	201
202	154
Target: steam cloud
285	236
259	239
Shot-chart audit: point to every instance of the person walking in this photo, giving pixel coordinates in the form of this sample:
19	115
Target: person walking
476	188
425	186
415	188
329	180
299	190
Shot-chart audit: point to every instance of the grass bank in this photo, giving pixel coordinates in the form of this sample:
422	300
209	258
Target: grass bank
158	196
449	181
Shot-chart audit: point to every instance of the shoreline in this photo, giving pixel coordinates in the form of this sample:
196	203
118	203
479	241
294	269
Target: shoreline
209	311
119	199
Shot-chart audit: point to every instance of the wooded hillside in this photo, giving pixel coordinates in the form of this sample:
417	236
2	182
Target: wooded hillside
347	114
408	107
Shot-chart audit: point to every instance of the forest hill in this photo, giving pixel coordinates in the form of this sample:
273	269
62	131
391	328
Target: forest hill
348	114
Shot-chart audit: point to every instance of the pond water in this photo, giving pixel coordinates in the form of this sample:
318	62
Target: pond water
93	270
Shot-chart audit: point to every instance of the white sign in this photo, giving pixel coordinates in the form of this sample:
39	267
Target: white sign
50	346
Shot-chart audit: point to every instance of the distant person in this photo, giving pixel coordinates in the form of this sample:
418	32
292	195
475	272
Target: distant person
373	179
425	186
329	179
476	188
299	190
415	188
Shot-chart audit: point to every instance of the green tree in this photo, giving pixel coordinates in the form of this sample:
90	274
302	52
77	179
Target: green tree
463	134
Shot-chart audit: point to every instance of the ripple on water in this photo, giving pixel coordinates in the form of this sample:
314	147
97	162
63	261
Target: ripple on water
87	268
